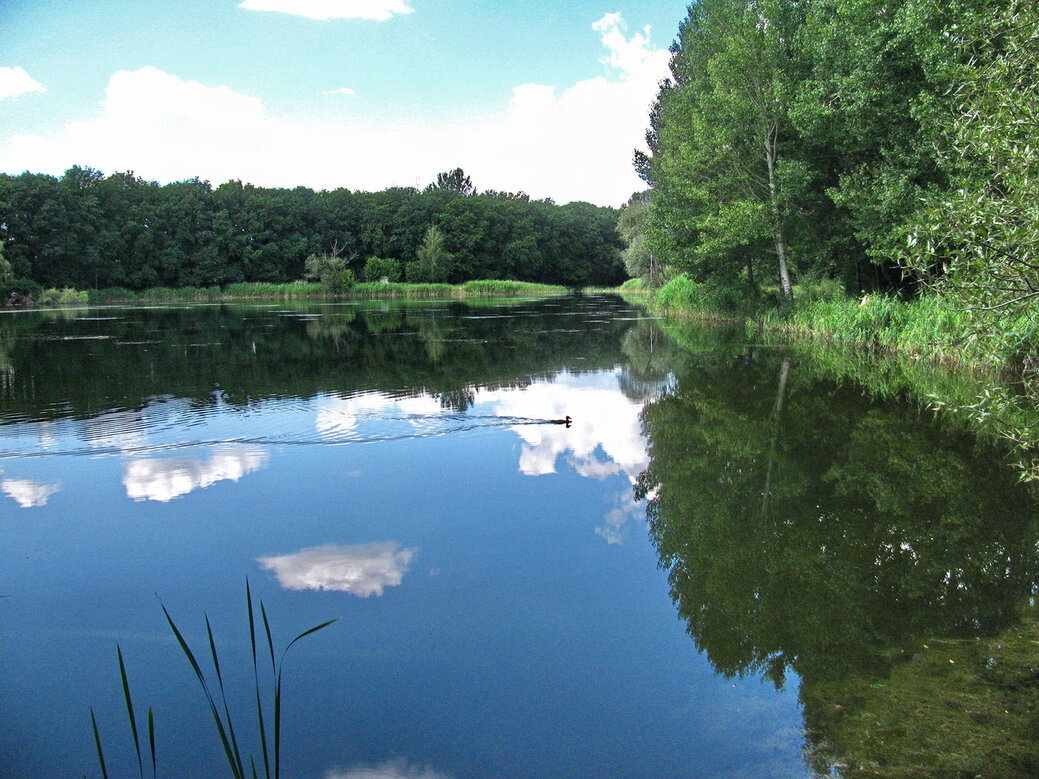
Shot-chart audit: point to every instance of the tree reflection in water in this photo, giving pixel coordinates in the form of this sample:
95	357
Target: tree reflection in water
808	529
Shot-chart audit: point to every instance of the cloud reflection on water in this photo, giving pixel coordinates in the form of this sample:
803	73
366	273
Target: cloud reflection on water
166	479
27	493
398	768
360	569
605	439
338	416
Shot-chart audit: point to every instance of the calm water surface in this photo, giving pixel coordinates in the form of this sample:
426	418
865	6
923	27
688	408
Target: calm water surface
697	578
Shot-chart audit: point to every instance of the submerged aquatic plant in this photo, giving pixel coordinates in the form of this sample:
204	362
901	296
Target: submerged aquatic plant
268	702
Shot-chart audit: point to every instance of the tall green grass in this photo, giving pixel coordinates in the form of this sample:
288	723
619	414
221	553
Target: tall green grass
268	698
308	289
394	289
261	289
683	296
500	287
927	326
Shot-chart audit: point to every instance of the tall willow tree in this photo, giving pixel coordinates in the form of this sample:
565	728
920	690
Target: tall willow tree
725	180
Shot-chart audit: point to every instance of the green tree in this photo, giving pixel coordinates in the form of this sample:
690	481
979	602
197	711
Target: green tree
330	269
433	258
453	181
640	259
979	239
723	163
6	271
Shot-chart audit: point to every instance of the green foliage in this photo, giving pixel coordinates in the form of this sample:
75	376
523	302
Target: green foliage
641	259
434	260
978	241
22	286
820	129
683	295
6	270
63	297
494	287
635	285
398	289
330	270
377	267
453	181
89	231
723	166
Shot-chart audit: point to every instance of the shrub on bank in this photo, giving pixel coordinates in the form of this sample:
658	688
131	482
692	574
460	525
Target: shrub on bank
378	267
682	294
63	297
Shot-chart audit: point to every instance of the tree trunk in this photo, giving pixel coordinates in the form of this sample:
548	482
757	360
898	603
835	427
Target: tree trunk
752	283
777	228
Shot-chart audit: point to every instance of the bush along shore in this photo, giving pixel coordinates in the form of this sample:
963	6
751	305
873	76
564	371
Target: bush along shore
298	289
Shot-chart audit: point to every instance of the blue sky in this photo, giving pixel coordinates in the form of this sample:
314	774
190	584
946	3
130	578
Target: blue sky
545	97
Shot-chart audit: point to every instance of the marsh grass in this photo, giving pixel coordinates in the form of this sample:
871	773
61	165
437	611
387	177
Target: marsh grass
927	326
394	289
259	289
302	289
502	288
268	697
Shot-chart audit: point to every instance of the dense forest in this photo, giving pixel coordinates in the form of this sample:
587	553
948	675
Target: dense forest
90	231
889	144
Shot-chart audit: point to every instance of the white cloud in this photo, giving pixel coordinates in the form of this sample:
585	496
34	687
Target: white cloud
15	81
324	10
361	569
340	91
628	55
26	493
569	143
164	480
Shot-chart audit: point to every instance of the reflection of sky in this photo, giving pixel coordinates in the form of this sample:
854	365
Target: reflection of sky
163	480
340	415
605	439
605	422
391	769
116	430
26	493
361	569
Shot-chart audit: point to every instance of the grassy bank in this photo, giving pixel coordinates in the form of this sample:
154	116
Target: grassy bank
990	380
924	327
293	290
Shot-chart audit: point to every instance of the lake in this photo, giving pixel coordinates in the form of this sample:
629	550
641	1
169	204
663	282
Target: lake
736	561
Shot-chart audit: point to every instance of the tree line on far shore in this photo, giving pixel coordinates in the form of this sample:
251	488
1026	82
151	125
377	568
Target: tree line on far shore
88	230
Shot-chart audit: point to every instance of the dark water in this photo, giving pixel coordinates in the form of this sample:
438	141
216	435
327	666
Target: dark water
506	607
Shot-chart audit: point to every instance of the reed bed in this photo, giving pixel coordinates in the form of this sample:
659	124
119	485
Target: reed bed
504	288
400	289
301	289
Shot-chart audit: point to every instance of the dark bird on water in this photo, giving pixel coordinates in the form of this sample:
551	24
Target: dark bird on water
568	421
